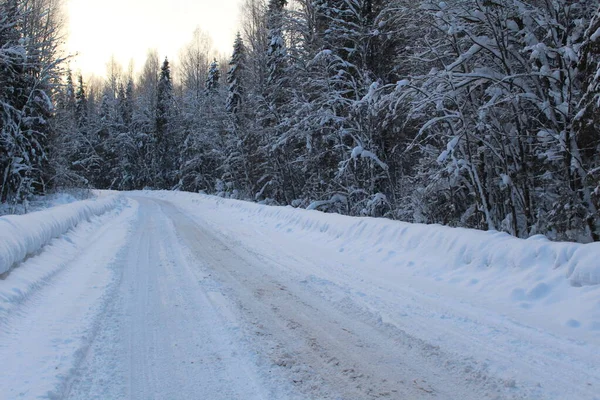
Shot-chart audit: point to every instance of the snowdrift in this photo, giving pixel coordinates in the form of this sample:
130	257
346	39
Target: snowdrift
557	284
22	235
459	247
578	263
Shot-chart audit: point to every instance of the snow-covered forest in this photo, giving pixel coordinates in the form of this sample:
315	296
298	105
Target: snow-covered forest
473	113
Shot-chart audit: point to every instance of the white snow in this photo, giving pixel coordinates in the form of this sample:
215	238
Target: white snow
49	303
526	312
505	179
39	203
452	144
402	83
179	295
22	235
551	282
474	49
512	25
335	199
360	152
356	152
442	157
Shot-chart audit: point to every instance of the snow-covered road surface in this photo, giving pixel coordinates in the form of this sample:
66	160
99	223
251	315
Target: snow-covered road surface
165	299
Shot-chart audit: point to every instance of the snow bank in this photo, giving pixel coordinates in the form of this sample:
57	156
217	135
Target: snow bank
460	247
555	283
39	203
22	235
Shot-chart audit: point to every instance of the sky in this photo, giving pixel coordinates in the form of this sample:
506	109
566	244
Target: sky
99	29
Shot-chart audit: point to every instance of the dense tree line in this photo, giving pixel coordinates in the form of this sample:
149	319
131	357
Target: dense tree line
471	113
29	71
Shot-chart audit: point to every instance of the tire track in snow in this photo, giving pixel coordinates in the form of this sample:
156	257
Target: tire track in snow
173	336
49	330
325	352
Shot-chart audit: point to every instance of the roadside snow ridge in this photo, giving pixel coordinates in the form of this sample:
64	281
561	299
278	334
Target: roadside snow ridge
22	235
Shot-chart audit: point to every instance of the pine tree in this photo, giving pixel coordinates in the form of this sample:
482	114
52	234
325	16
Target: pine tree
66	141
241	159
235	76
212	78
165	143
277	182
468	113
68	101
81	108
130	161
587	123
125	104
84	159
12	99
28	66
276	55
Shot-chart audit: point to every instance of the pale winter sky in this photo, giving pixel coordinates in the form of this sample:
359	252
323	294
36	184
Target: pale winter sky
128	28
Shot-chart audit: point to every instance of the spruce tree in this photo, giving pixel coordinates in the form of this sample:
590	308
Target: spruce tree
212	78
12	98
165	148
26	70
277	180
69	93
276	52
242	159
81	106
125	103
235	78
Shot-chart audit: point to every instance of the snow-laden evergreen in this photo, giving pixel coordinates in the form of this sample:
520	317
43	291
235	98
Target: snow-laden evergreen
28	67
466	113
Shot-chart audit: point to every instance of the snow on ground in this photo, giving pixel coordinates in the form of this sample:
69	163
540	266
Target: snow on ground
39	203
555	285
23	235
525	311
179	296
46	321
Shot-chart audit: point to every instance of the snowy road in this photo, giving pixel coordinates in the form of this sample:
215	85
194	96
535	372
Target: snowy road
160	302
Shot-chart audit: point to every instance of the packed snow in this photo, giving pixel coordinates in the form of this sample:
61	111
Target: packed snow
50	302
179	295
556	284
